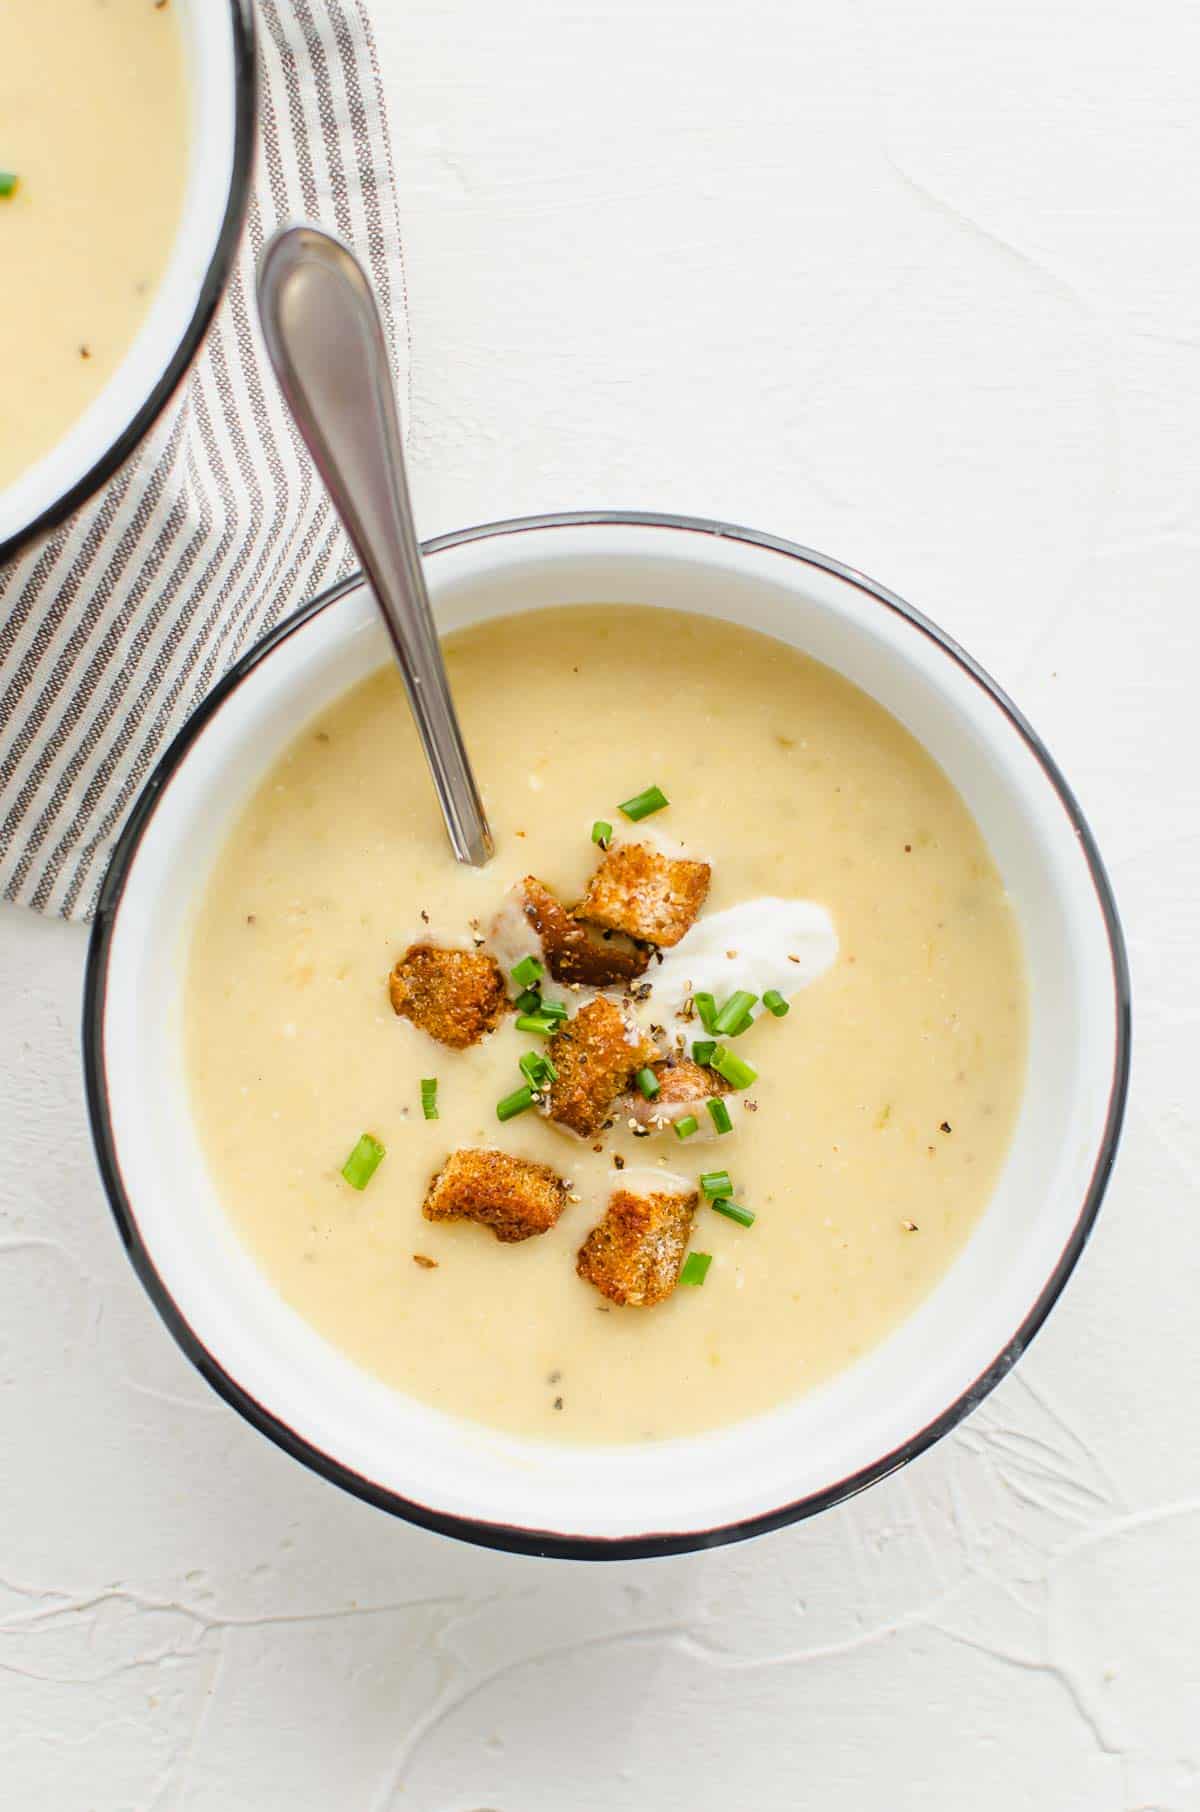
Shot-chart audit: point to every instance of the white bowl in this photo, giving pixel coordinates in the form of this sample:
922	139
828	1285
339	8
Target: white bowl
219	54
636	1500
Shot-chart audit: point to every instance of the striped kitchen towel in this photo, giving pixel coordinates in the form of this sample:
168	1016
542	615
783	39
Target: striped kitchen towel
113	630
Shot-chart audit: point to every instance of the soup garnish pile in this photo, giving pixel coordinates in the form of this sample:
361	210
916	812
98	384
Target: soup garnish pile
583	986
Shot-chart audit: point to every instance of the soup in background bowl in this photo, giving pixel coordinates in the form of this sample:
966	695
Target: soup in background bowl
125	147
807	727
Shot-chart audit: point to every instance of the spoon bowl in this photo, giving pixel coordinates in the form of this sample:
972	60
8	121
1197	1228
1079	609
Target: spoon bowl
644	1497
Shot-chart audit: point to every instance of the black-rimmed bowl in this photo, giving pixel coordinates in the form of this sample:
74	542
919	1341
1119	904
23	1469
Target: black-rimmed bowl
650	1498
219	51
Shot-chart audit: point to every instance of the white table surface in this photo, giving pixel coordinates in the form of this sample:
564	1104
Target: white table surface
917	284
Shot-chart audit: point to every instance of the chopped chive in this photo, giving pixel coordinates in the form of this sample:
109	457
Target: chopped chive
649	1083
642	804
695	1267
541	1023
716	1182
736	1071
733	1212
729	1021
429	1106
528	971
719	1115
687	1126
363	1161
516	1103
774	1002
529	1001
602	832
9	183
552	1009
536	1069
706	1007
702	1049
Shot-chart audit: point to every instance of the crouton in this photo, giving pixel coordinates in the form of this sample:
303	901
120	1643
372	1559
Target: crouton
573	952
683	1089
454	995
647	896
595	1054
635	1254
515	1197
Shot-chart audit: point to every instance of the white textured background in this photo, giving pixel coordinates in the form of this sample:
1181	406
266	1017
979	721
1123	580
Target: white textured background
917	283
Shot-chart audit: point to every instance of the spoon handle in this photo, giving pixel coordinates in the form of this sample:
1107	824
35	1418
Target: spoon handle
325	338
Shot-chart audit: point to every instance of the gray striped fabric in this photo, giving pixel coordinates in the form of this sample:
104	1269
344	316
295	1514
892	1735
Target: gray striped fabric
112	631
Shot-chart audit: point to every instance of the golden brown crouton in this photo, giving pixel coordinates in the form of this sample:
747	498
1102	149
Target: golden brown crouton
645	895
684	1087
573	952
635	1254
515	1197
595	1054
454	995
682	1080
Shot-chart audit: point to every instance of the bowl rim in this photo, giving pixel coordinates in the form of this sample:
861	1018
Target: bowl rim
546	1542
212	288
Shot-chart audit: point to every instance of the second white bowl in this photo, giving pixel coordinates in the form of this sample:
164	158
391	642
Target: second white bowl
218	37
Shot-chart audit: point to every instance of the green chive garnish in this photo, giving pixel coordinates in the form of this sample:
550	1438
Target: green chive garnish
649	1083
716	1182
702	1049
529	1001
602	832
642	804
706	1007
734	1015
719	1115
536	1069
429	1105
552	1009
516	1103
736	1071
9	182
774	1002
363	1162
687	1126
528	971
541	1023
695	1267
733	1212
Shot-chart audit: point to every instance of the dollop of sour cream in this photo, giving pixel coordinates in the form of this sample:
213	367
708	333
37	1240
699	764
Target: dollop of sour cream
649	1179
756	945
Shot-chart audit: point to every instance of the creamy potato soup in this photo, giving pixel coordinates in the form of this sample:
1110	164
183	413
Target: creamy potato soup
93	156
849	889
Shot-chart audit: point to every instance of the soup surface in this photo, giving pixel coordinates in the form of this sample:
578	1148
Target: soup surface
94	127
867	1148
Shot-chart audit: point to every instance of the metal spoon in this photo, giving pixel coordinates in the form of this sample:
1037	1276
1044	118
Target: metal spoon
326	343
